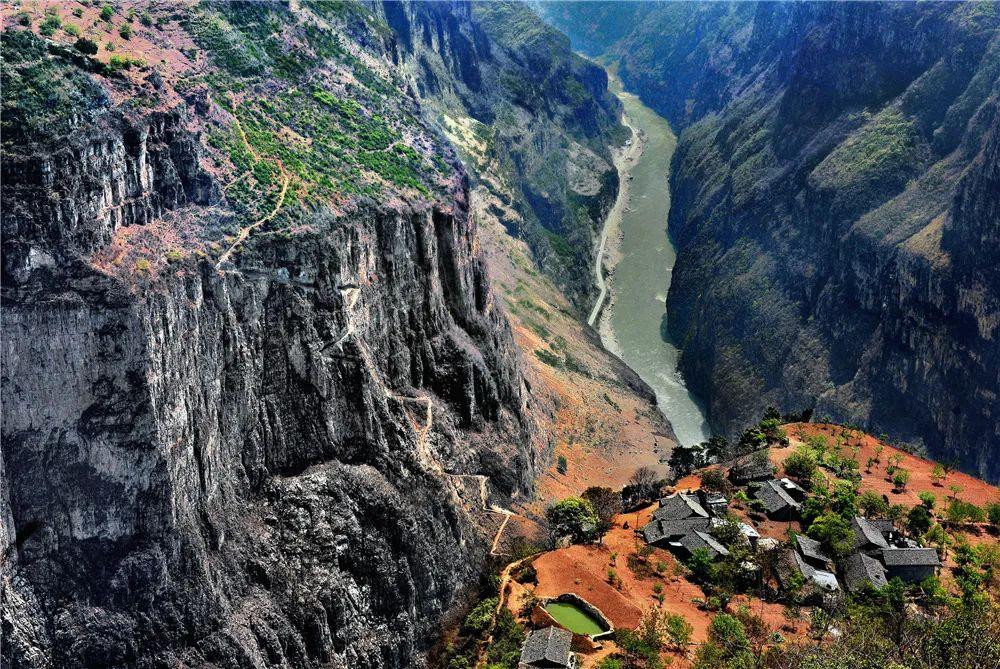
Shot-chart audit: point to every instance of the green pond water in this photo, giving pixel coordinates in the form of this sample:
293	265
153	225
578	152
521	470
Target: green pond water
573	618
642	277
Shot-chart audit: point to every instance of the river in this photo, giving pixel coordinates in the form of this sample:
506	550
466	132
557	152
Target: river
636	245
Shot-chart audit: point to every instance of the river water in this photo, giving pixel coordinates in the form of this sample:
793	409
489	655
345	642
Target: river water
634	318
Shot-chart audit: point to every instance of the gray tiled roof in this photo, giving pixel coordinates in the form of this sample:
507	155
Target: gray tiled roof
811	548
679	506
866	532
774	497
547	647
820	577
910	557
698	539
752	471
861	570
658	530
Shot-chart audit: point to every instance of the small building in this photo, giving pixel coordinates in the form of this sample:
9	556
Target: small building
778	504
680	506
713	502
755	468
818	582
912	565
548	647
821	578
812	552
868	535
689	543
861	570
794	490
661	532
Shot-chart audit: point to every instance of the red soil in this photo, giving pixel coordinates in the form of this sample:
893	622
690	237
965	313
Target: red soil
972	489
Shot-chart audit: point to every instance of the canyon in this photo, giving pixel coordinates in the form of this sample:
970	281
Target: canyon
834	200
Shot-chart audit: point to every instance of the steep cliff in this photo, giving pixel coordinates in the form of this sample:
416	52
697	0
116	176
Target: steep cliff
536	115
254	379
833	206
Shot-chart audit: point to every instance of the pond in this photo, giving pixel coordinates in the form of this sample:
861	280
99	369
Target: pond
574	618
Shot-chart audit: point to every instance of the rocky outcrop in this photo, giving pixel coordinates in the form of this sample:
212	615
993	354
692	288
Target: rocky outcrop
263	465
825	175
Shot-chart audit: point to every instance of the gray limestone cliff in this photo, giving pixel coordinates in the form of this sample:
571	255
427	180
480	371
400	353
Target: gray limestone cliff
271	461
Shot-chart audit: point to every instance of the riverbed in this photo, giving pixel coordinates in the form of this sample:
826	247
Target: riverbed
635	263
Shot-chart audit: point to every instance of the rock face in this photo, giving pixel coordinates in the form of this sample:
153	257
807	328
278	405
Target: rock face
834	202
543	115
267	464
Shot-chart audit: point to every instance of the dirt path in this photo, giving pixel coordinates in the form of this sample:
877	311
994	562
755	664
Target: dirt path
246	230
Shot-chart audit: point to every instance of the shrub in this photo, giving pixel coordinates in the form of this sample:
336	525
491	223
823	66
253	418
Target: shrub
993	513
834	533
562	464
900	479
107	11
479	618
50	24
86	46
714	479
125	31
145	19
928	499
72	29
142	265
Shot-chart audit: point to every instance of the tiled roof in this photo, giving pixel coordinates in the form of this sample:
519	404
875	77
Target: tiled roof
820	577
679	506
910	557
811	548
751	470
547	647
667	529
861	570
866	533
774	497
698	539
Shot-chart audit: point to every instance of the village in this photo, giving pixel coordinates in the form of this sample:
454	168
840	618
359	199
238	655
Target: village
759	550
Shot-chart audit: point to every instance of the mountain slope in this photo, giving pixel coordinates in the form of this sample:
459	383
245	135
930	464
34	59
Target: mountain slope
254	378
833	202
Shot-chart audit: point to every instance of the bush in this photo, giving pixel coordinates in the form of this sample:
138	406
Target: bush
562	464
72	29
107	11
86	46
478	620
125	31
872	504
145	19
928	499
714	479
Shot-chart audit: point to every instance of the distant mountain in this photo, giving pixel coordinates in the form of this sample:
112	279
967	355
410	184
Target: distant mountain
835	199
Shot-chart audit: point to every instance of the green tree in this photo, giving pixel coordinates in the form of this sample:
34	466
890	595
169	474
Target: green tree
678	630
573	517
701	565
919	520
801	464
928	499
872	505
834	533
714	479
606	504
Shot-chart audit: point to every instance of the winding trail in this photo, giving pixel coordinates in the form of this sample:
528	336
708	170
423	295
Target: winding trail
246	230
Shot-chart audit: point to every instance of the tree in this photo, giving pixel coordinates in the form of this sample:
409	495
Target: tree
562	464
700	564
801	464
573	517
834	533
678	630
606	504
86	46
993	513
728	633
900	479
928	499
752	439
872	504
918	520
937	474
714	479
